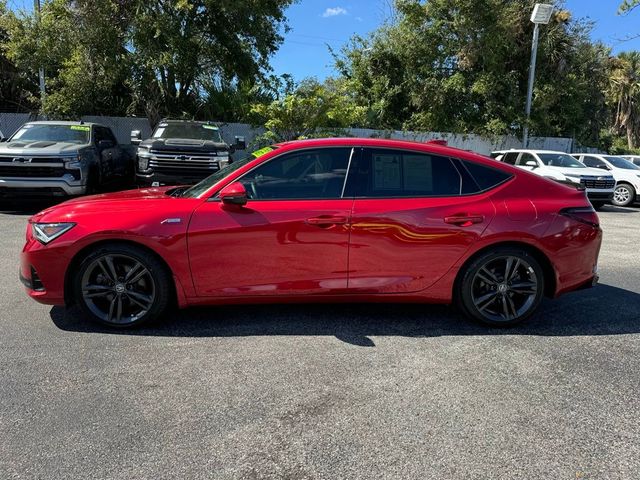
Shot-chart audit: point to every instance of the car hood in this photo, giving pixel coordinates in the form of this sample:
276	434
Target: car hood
40	148
579	172
107	204
184	144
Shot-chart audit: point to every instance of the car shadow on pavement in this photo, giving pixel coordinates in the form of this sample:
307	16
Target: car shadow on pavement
604	310
13	206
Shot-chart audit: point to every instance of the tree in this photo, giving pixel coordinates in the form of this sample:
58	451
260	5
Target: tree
311	109
627	5
462	66
624	95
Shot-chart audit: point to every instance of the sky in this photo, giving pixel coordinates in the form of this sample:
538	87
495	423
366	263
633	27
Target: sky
316	23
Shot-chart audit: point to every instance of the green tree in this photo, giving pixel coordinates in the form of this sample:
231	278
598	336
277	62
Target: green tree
624	94
462	66
627	5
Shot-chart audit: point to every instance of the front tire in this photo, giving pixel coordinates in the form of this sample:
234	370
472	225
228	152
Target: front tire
502	287
122	286
624	195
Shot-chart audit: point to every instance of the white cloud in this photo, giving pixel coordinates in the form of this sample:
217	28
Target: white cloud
334	12
359	19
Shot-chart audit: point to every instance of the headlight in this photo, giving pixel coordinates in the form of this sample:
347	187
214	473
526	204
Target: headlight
46	232
72	163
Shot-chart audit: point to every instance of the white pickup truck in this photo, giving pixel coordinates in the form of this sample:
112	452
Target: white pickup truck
562	167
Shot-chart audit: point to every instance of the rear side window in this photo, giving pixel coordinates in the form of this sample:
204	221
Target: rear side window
395	173
485	177
510	158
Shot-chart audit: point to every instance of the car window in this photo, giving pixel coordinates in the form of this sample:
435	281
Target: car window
620	162
485	177
103	133
560	160
307	174
394	173
510	158
525	157
593	162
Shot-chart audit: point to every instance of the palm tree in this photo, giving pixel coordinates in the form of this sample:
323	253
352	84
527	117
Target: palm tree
625	95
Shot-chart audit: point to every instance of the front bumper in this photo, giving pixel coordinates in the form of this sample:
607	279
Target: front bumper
602	195
56	187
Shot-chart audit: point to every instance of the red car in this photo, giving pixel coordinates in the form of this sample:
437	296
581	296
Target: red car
331	220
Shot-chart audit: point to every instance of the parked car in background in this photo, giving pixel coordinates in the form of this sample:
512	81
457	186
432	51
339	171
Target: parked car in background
63	158
562	166
635	159
181	152
626	173
326	220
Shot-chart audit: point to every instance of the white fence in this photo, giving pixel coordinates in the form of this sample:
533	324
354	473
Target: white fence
122	126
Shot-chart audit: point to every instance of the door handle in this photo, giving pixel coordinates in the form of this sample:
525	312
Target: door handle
324	221
464	220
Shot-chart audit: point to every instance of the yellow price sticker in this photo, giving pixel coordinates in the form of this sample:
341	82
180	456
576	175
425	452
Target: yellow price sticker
83	128
262	151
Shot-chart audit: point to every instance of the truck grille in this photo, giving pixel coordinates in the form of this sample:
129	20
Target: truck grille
30	171
29	159
599	184
178	162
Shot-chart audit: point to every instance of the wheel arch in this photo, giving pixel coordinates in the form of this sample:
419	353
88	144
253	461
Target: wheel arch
550	280
176	298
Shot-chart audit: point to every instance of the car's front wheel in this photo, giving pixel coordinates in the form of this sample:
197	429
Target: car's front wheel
624	195
501	287
122	285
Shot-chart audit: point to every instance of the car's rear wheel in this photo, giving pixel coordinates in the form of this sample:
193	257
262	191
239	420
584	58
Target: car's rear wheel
122	286
624	195
501	287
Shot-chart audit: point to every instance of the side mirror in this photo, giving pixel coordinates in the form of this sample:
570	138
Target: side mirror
102	144
136	137
234	194
602	166
531	163
3	139
240	143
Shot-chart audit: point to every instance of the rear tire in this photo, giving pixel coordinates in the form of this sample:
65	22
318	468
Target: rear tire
501	288
624	195
122	286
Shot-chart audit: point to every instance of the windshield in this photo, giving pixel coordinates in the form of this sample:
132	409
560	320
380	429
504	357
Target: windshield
201	187
560	160
53	133
620	162
195	131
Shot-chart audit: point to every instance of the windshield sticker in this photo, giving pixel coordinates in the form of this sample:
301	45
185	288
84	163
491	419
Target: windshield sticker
209	127
83	128
262	151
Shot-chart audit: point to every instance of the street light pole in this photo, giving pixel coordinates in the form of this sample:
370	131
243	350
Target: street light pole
540	16
36	8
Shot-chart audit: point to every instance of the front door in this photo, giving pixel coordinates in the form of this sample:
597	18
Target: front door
414	216
292	237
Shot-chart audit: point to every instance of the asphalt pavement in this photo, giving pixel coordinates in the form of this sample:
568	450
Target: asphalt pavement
326	392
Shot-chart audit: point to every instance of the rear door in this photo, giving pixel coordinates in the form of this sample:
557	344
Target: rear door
414	216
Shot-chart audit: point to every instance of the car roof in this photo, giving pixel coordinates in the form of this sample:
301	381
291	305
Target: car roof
435	147
529	150
64	122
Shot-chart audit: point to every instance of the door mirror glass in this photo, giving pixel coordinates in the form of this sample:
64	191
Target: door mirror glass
136	137
240	143
531	163
234	194
602	166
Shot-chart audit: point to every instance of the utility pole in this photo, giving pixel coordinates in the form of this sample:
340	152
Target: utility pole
36	8
541	16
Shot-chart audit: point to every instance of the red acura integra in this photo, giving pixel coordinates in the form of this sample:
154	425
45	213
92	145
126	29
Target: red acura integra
358	220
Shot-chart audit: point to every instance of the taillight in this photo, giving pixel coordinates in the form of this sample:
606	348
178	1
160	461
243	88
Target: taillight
585	215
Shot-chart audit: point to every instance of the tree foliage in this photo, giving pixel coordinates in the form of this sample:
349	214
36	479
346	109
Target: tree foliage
627	5
462	66
624	96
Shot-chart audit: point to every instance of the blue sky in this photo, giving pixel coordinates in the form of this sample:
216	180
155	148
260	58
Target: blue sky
315	23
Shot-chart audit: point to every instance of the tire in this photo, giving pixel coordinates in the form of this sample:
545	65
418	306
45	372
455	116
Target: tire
624	195
597	205
92	182
122	286
484	295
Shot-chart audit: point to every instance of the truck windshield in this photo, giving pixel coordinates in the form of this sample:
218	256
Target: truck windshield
620	162
201	187
195	131
560	160
53	133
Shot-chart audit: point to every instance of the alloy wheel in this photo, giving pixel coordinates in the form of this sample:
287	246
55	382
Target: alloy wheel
504	289
118	289
622	196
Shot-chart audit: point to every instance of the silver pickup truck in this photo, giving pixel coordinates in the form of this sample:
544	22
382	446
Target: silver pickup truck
62	159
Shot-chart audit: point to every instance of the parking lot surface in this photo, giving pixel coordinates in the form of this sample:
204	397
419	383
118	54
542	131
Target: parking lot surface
326	392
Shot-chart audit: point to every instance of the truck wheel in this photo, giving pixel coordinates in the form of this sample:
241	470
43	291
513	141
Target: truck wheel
624	195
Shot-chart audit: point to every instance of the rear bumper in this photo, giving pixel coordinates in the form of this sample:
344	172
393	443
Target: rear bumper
54	187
